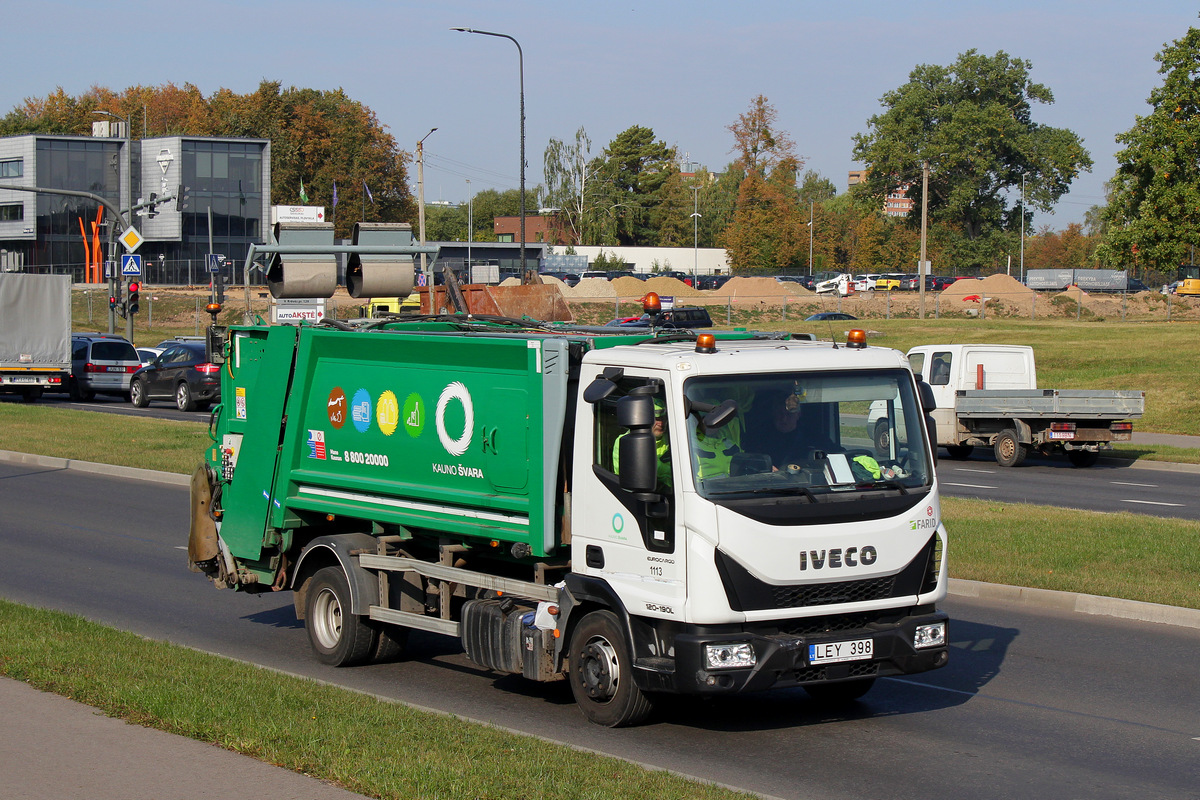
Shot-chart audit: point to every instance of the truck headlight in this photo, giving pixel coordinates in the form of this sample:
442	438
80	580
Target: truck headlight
930	636
728	656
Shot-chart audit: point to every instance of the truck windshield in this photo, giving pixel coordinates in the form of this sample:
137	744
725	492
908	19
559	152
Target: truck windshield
817	438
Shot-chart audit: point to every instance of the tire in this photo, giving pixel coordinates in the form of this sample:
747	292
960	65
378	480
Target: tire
79	395
883	437
183	398
338	637
601	673
137	394
32	395
834	694
1009	450
391	644
960	451
1082	458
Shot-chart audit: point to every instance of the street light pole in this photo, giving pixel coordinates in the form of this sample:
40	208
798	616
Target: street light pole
470	223
421	202
810	235
1022	227
695	234
521	72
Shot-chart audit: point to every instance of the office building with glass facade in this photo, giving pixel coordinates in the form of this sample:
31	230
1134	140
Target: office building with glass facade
226	181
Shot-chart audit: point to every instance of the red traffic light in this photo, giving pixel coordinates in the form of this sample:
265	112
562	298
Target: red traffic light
134	286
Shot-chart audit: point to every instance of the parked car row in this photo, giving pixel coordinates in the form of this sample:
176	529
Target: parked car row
699	281
176	370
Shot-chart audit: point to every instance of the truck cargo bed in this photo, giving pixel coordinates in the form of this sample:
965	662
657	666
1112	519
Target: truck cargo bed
1050	403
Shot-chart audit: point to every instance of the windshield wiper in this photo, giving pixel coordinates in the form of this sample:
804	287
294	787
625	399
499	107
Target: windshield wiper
770	490
887	485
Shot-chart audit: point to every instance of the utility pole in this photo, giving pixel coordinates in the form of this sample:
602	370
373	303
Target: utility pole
921	269
421	204
810	236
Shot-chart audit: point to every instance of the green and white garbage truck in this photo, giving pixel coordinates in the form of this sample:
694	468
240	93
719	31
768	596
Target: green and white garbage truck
500	481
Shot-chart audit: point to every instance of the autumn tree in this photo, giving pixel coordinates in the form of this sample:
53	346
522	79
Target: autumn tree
973	123
764	233
1154	211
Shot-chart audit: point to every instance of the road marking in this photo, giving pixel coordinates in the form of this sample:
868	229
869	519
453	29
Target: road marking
971	485
979	471
1141	485
1153	503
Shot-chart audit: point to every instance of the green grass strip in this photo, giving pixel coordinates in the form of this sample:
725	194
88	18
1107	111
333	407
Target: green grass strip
366	745
126	441
1130	556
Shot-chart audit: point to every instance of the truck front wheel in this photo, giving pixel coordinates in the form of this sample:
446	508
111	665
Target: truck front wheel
1009	450
338	637
601	673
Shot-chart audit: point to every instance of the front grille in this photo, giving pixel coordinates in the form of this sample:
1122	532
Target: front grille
825	594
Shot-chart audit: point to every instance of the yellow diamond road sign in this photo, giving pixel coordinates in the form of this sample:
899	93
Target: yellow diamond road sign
131	239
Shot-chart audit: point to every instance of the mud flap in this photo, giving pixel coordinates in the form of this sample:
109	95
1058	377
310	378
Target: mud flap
203	550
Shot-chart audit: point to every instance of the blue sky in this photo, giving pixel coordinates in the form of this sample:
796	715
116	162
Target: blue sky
684	69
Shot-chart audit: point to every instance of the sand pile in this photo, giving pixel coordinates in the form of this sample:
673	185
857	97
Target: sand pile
751	288
669	286
594	287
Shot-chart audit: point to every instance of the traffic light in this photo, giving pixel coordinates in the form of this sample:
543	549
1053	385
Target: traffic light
112	302
132	304
181	198
152	213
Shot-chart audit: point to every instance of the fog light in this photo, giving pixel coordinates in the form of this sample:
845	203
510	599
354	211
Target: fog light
728	656
930	636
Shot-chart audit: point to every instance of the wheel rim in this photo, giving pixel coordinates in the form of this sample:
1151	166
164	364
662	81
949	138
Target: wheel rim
181	395
1007	448
327	619
135	393
600	670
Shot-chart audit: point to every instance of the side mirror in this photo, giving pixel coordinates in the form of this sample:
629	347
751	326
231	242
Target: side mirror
636	455
928	403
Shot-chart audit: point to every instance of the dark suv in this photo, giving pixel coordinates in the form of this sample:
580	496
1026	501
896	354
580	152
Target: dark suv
687	317
101	364
181	373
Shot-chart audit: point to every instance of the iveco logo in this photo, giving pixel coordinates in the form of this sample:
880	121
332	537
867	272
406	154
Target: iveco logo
836	558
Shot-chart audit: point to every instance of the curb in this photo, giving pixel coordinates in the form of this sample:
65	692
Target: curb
1077	603
134	473
958	587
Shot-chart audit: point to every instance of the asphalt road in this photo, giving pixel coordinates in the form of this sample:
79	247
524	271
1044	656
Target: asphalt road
1167	492
112	404
1034	704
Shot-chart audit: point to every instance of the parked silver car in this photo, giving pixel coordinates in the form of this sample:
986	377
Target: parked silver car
101	364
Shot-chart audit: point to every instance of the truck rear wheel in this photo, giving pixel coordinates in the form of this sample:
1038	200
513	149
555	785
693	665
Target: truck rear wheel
337	636
1009	450
601	673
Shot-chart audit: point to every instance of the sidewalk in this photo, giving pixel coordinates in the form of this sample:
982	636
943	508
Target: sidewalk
52	748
